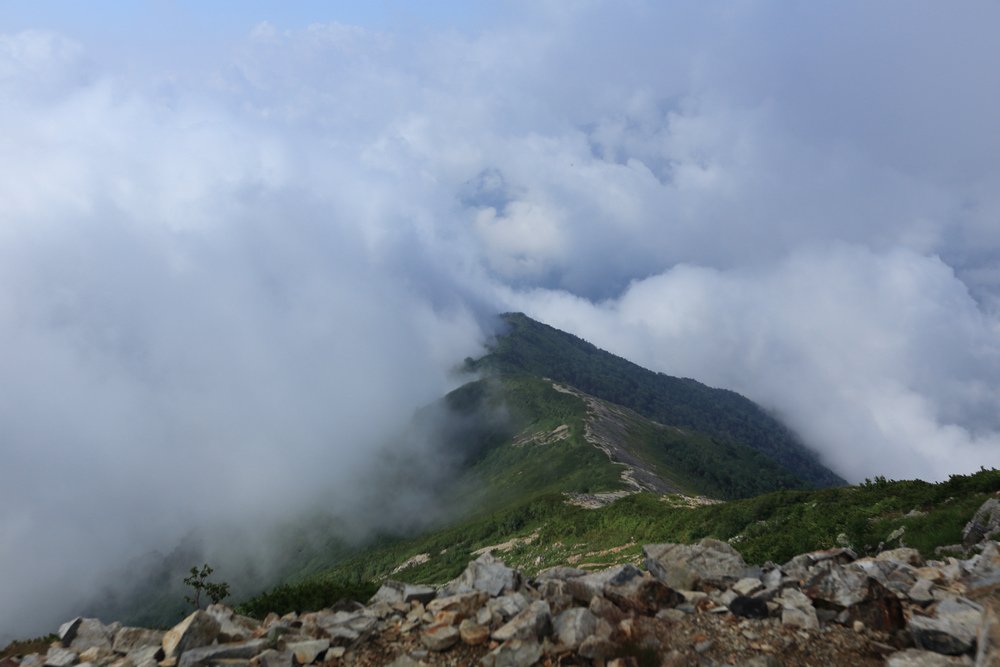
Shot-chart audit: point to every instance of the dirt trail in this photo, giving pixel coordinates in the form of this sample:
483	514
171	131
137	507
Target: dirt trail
606	427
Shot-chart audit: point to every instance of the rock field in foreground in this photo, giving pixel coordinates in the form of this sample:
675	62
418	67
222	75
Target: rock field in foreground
693	605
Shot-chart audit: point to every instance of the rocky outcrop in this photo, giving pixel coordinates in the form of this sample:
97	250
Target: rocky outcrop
985	523
694	605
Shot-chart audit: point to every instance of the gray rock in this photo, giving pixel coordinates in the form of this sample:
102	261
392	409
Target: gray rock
486	574
917	658
145	656
984	525
440	636
633	589
204	655
556	593
685	566
67	631
772	579
598	645
860	597
90	633
532	623
473	633
748	586
346	626
60	657
505	607
306	652
514	653
952	630
464	604
922	592
232	626
985	569
101	655
573	626
797	609
128	640
273	658
397	591
584	587
800	567
562	572
906	555
197	630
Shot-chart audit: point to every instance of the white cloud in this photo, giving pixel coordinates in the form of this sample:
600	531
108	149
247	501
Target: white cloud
882	361
292	242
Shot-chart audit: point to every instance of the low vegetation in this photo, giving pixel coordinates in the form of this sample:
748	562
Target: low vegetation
771	527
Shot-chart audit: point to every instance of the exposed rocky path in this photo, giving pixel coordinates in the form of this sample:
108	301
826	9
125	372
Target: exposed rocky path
693	605
606	427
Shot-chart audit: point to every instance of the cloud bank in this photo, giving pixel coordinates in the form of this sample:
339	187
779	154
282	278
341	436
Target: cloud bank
225	278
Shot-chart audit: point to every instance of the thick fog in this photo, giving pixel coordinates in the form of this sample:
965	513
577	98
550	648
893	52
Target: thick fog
239	248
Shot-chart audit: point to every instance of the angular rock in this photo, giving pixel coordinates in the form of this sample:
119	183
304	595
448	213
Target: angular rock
67	631
532	623
306	652
346	626
232	626
440	637
985	523
197	630
499	611
464	604
561	572
96	654
573	626
685	566
985	570
633	589
202	655
397	591
273	658
556	593
60	657
144	656
585	587
922	592
473	633
952	630
130	639
747	586
486	574
90	633
915	657
514	653
598	645
799	567
797	609
906	555
839	588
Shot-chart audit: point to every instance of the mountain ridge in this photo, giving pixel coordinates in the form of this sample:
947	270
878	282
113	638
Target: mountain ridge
527	346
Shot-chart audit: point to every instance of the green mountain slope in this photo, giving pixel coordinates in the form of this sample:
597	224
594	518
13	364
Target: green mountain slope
559	439
546	531
533	348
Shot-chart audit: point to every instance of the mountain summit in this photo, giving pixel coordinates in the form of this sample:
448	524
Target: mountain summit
723	428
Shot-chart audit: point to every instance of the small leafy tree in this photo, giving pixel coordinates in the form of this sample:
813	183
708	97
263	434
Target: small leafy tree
198	580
